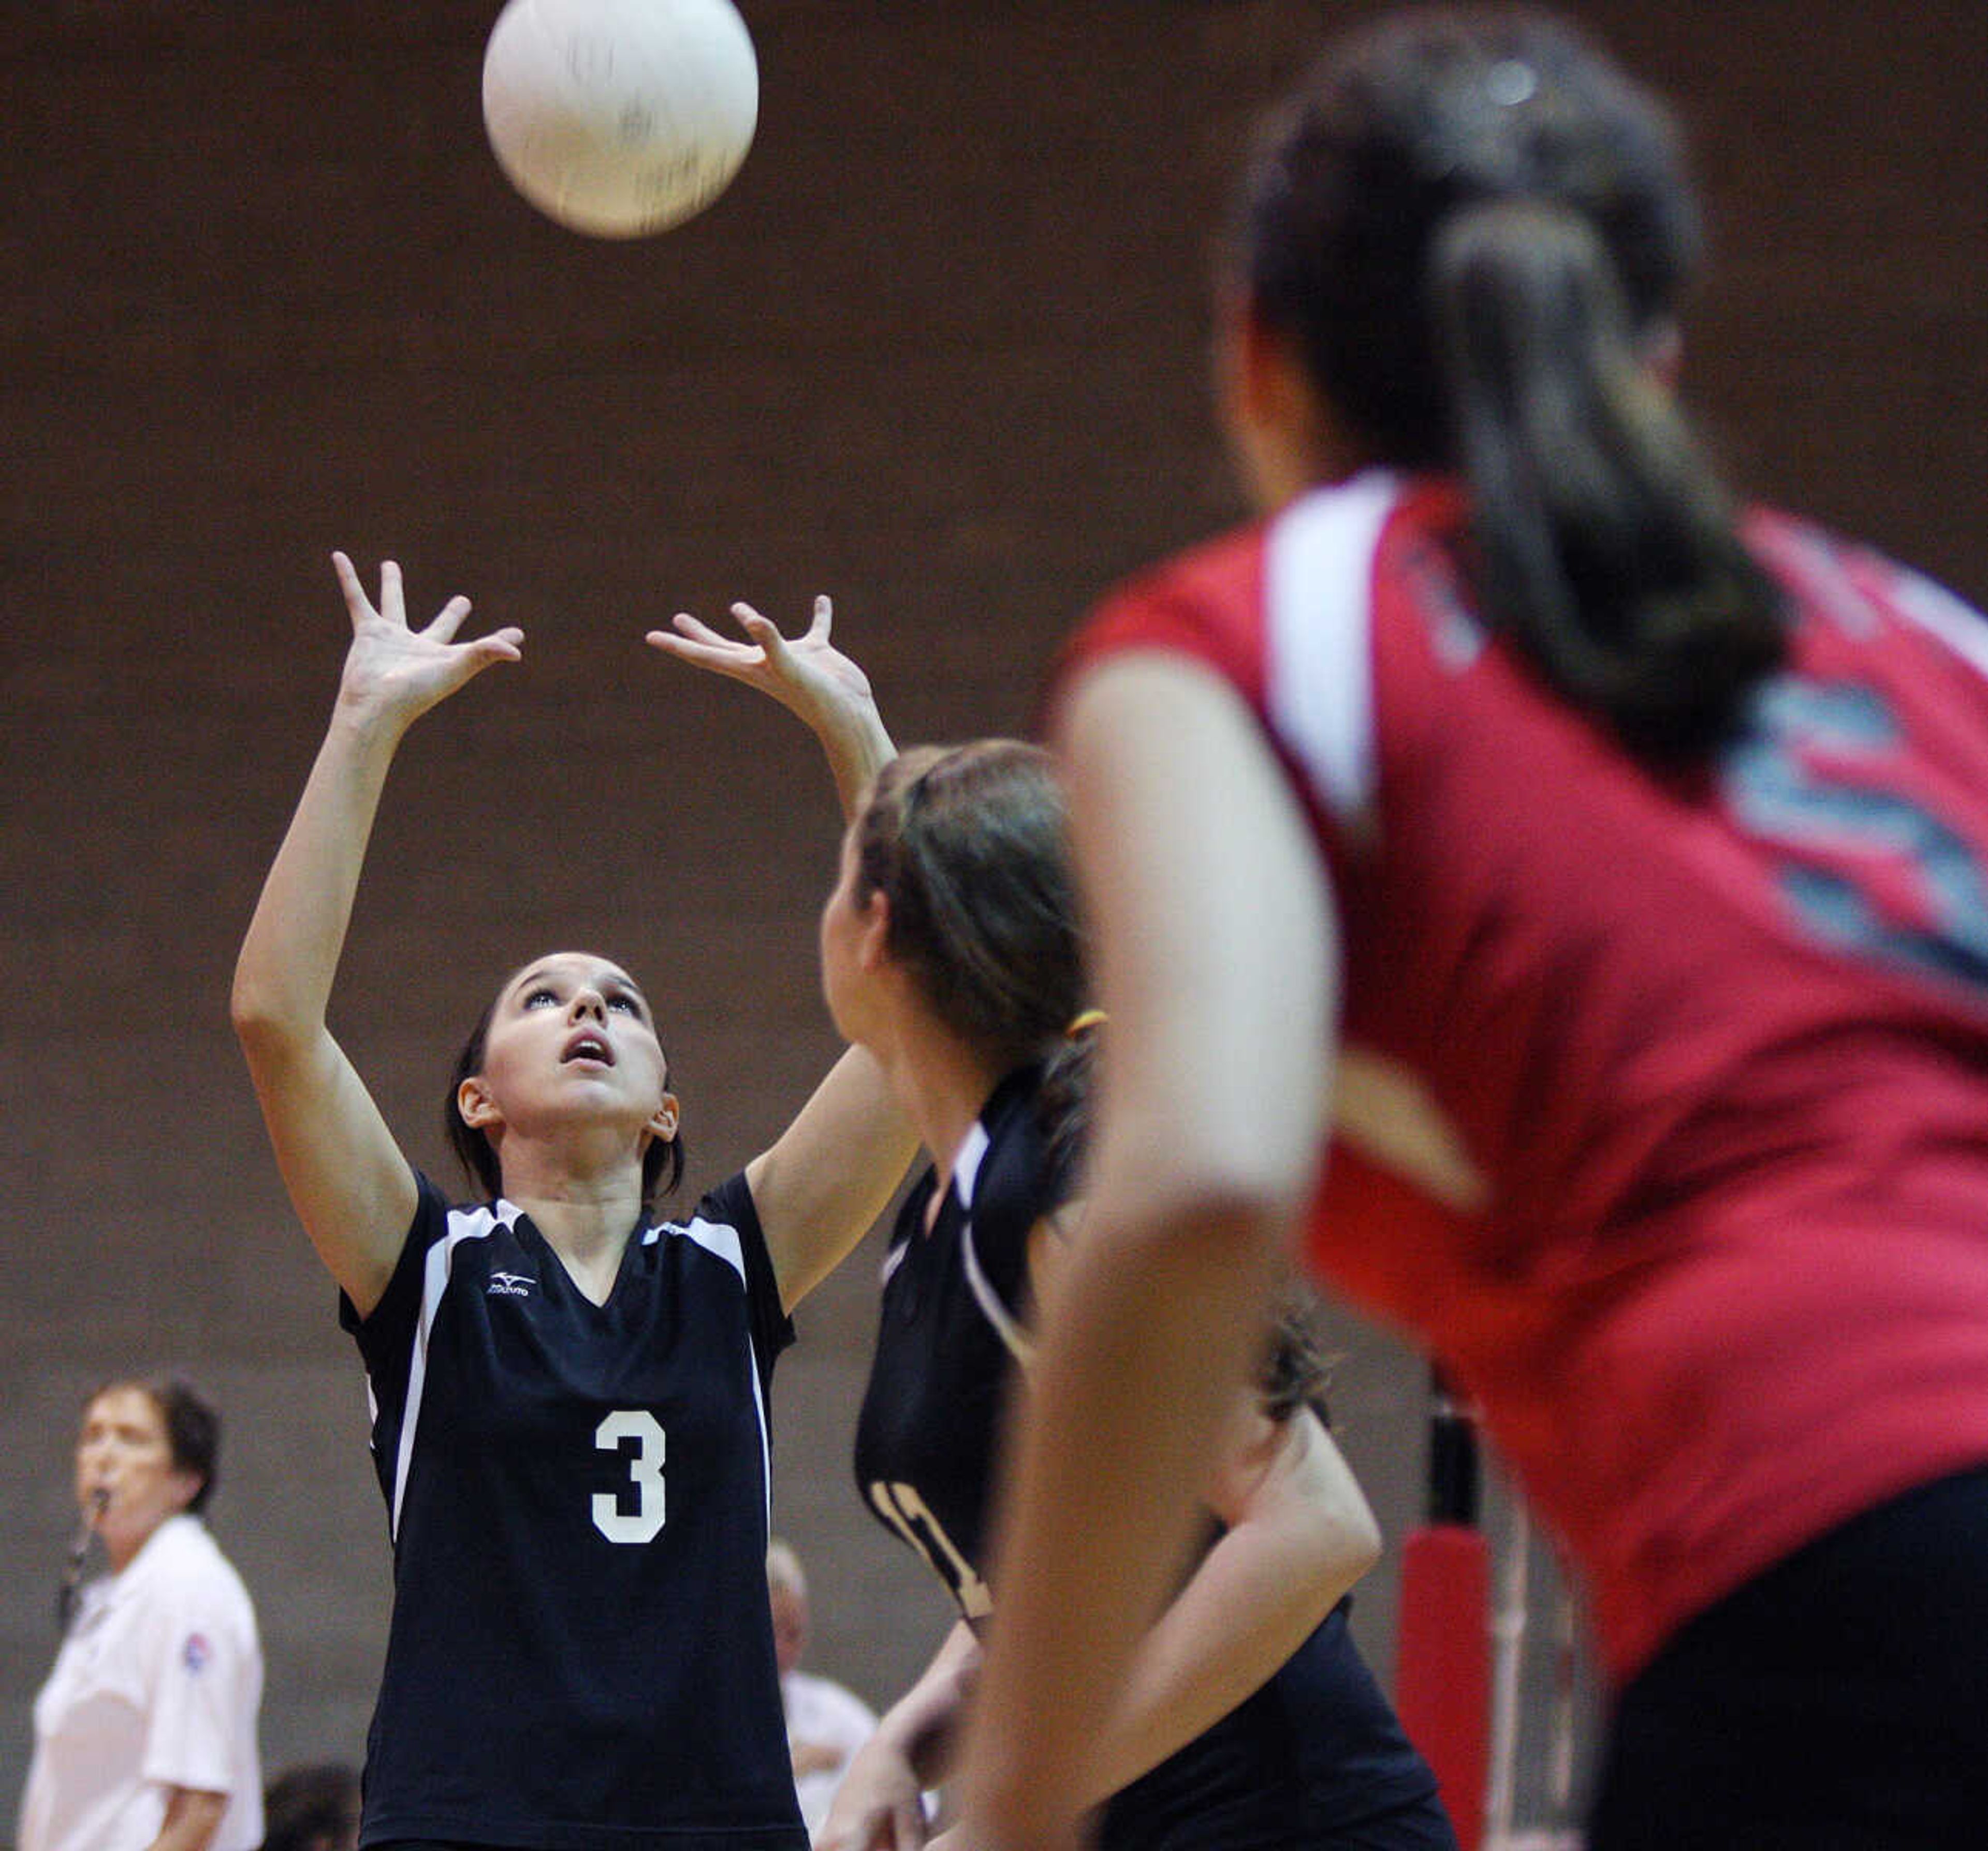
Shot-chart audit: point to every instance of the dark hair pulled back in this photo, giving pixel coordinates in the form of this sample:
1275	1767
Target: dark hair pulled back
969	844
1473	228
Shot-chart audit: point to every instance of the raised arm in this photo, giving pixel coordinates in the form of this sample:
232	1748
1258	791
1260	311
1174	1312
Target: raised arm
351	1186
1194	1197
824	1182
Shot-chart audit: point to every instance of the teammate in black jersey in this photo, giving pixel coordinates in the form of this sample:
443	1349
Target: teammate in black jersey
950	950
569	1426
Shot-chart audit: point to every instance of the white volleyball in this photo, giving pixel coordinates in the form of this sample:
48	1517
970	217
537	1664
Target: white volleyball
618	118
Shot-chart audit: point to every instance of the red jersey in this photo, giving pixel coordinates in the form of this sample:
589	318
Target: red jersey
1663	1108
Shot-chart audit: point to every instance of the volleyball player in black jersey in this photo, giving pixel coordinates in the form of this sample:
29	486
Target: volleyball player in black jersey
950	951
570	1420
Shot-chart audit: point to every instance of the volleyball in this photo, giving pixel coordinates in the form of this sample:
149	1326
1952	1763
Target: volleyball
619	118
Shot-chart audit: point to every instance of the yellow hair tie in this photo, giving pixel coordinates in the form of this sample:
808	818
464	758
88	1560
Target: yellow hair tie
1089	1018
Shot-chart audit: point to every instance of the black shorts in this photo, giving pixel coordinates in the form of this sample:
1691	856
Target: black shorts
1838	1702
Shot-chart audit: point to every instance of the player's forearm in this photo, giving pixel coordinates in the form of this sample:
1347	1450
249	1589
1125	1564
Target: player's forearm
858	746
921	1726
284	973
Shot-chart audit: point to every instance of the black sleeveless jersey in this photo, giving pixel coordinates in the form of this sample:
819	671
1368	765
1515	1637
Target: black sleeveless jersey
1317	1752
580	1655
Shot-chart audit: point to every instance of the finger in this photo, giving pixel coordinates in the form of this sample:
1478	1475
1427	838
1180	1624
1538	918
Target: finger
393	603
824	618
762	630
504	645
726	658
446	621
699	631
357	604
908	1822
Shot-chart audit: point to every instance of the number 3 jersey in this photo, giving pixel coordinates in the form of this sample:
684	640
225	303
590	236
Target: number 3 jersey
1315	1752
1663	1100
580	1655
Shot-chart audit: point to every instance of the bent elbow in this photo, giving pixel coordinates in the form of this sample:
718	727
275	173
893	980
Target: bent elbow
1342	1534
264	1026
1358	1544
1209	1152
252	1012
1342	1546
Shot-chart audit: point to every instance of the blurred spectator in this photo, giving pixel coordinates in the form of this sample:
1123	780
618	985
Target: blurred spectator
825	1722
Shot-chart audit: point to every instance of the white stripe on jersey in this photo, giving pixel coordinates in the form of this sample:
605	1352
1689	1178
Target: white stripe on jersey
965	1174
1933	607
717	1237
1006	1327
1319	646
713	1237
966	1165
462	1224
1318	571
477	1224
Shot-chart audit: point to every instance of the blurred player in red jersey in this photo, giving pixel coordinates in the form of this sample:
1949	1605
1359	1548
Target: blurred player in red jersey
1613	856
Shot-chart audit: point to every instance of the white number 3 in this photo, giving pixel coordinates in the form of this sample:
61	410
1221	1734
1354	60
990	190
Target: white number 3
645	1472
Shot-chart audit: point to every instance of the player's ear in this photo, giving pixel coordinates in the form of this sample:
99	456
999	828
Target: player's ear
1252	360
1280	430
663	1121
873	940
475	1106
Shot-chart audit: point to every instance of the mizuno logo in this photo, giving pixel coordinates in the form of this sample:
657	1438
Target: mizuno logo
509	1285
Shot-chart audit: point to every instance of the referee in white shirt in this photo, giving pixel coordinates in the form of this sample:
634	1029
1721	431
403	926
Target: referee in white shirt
145	1731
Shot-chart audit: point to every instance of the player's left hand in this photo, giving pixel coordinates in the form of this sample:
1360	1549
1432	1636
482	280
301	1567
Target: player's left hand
807	674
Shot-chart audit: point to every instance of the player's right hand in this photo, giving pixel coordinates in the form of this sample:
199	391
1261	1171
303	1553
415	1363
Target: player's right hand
394	672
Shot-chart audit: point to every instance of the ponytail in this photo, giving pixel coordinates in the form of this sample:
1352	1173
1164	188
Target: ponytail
1467	223
1606	548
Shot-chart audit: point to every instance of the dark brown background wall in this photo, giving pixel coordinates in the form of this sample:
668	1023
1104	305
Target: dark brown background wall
263	292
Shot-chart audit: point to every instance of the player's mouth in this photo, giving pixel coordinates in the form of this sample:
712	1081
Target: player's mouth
587	1045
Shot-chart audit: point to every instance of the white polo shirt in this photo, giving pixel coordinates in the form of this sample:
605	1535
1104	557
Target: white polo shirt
821	1714
156	1686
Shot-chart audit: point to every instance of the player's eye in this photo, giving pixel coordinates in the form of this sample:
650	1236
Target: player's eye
626	1003
543	994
